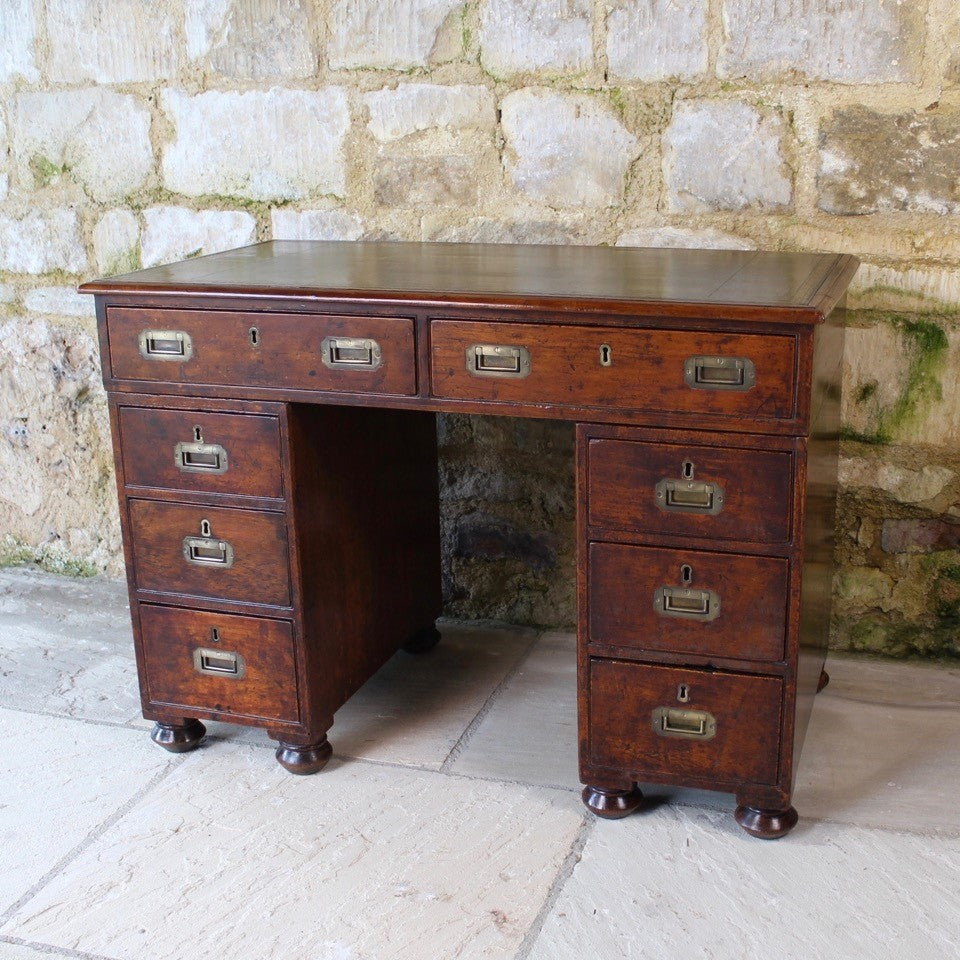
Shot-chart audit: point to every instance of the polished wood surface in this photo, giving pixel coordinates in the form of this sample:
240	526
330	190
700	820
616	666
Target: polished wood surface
266	692
746	708
285	351
757	485
798	287
331	498
645	372
260	571
752	594
149	438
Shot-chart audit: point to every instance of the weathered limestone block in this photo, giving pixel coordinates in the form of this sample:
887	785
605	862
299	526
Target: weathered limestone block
386	34
918	289
425	181
849	41
683	238
864	587
657	39
116	243
315	225
873	162
412	107
265	145
42	242
173	233
253	39
551	148
901	382
56	485
8	293
507	518
18	37
522	35
112	41
512	230
98	138
724	155
59	301
904	484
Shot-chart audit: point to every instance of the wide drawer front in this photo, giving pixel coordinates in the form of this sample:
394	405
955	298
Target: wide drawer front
666	721
688	490
736	375
215	662
206	452
296	351
682	601
223	554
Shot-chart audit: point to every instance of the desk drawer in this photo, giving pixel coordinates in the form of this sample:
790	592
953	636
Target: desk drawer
239	667
204	452
238	555
684	601
281	350
679	723
642	370
681	489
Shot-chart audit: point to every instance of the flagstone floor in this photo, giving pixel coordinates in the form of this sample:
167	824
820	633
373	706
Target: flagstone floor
449	823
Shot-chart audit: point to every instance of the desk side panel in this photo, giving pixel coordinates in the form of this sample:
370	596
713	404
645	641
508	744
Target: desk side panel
818	525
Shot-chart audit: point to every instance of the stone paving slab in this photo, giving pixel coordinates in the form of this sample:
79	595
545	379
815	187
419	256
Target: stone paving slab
689	883
233	857
66	647
530	732
60	780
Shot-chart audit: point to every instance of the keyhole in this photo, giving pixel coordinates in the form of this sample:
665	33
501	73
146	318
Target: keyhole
686	573
197	434
606	355
255	336
683	693
687	469
204	528
215	635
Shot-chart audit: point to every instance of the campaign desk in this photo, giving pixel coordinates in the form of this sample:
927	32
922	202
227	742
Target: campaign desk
273	416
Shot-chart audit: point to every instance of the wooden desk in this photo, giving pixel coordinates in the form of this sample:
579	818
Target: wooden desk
273	418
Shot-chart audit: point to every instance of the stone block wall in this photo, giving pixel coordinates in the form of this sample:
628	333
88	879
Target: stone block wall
135	133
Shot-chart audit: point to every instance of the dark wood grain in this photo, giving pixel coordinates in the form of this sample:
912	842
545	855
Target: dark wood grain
339	526
757	488
287	353
747	710
148	438
260	572
752	590
268	690
366	514
646	369
765	286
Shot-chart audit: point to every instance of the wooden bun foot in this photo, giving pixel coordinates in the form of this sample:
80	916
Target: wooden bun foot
611	804
823	681
766	824
422	641
178	737
304	760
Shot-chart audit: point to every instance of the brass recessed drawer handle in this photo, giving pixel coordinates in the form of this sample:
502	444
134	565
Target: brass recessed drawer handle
687	602
200	458
689	724
719	373
689	496
208	552
222	663
350	352
166	345
497	360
